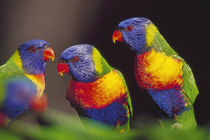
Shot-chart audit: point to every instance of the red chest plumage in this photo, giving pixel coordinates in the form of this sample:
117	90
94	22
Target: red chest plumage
97	94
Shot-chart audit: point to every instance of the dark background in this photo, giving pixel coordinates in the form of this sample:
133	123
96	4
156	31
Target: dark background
184	24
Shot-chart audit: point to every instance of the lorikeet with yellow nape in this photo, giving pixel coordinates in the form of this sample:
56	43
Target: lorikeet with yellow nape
159	69
97	91
22	79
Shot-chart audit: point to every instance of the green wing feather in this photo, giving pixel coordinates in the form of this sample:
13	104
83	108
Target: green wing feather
189	83
105	69
187	119
190	88
7	71
129	99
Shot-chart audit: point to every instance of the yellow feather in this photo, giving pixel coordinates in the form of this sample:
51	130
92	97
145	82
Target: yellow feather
97	60
99	93
16	58
39	81
163	68
151	31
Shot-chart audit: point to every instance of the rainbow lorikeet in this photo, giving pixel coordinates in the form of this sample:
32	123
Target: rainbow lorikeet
22	79
159	69
97	91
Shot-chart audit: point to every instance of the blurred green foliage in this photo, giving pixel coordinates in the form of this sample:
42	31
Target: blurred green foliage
56	125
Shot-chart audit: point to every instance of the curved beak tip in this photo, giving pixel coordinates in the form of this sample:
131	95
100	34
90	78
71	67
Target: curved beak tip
60	73
48	54
53	58
63	68
117	36
114	41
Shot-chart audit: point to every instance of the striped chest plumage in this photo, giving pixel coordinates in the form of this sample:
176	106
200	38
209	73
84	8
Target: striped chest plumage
39	81
162	75
97	94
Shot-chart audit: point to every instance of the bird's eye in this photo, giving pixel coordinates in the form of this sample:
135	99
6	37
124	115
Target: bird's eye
76	58
129	28
32	49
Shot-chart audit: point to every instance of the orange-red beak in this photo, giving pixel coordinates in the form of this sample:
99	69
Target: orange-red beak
63	68
117	36
39	104
48	54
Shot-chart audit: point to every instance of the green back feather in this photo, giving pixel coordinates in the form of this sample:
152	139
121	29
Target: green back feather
101	66
187	118
129	99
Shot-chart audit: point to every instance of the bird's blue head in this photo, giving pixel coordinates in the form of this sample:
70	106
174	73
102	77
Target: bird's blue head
132	33
34	54
83	62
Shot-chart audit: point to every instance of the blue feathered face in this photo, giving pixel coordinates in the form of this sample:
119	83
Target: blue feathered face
131	32
77	60
34	54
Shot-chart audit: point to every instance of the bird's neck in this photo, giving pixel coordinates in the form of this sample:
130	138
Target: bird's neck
152	39
101	66
14	63
101	69
39	81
